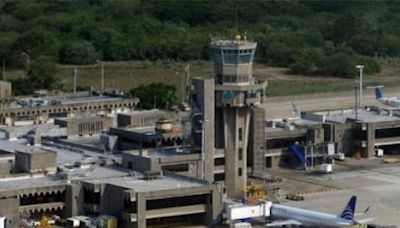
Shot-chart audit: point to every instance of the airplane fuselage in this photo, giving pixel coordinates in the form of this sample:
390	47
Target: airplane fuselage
308	218
392	102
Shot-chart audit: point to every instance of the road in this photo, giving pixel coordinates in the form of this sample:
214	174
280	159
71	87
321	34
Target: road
280	107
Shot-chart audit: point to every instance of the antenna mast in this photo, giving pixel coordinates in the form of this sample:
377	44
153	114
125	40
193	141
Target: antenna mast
236	21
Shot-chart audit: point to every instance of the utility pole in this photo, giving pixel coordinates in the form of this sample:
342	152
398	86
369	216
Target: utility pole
182	88
75	75
4	69
187	81
102	77
27	62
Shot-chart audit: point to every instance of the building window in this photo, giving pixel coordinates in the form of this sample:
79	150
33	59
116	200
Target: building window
240	134
219	161
219	177
176	168
240	154
240	172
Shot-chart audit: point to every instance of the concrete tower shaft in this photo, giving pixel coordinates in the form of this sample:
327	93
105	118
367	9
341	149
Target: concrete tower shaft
236	93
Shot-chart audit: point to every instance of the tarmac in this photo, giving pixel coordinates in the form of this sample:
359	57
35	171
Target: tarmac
376	185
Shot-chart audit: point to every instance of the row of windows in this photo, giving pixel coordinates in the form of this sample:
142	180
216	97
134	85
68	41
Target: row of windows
232	56
237	58
90	127
151	119
236	51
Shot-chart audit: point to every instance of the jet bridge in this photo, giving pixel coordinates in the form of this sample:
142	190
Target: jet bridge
309	155
241	211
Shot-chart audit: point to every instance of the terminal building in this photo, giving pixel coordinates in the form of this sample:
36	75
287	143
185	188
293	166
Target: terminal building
38	110
67	184
331	132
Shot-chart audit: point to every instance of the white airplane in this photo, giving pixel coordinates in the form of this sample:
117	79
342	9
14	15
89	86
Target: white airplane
286	215
393	102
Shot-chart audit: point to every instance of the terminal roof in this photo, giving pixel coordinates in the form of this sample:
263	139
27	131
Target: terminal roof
158	184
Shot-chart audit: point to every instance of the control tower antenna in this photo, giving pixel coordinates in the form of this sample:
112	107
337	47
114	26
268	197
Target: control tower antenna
236	22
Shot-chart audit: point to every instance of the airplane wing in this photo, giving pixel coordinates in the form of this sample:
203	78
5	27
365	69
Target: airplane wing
364	221
283	223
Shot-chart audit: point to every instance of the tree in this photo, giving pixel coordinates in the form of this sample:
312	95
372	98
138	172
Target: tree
42	73
22	86
155	95
340	64
78	52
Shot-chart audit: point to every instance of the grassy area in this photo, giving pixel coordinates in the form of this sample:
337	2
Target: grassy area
127	75
130	74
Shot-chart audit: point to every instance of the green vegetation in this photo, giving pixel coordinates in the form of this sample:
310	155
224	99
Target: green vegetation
155	95
310	37
41	75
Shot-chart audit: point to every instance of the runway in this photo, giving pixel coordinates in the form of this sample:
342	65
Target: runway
280	107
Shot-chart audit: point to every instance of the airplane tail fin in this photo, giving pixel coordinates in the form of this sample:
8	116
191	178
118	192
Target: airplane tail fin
348	212
378	93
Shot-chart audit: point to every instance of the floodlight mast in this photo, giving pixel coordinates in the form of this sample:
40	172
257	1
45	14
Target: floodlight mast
360	71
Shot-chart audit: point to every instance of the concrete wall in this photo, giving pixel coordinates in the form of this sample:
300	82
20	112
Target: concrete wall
5	89
112	201
143	118
140	163
9	209
213	205
257	147
137	162
344	137
6	167
85	126
204	96
31	162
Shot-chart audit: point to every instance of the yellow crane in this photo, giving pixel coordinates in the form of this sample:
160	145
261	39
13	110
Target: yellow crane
44	223
255	192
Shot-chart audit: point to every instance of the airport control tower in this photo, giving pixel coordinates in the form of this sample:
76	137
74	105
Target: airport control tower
236	94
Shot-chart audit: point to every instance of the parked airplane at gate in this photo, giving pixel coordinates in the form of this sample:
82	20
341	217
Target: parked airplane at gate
393	102
286	215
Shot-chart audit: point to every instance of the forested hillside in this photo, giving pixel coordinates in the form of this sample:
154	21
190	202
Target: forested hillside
309	37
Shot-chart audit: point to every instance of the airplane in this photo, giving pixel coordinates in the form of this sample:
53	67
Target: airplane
393	102
286	215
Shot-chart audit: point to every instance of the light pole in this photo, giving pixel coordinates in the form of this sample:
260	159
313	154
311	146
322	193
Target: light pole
356	102
27	61
360	70
203	125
